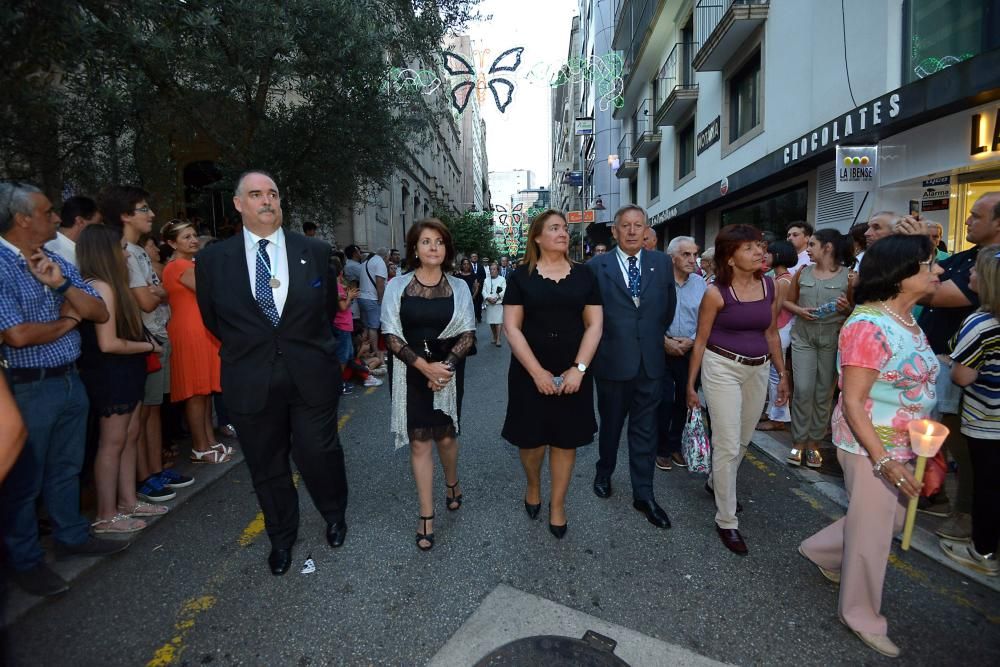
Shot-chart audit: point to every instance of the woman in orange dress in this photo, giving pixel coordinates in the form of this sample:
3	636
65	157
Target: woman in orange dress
194	362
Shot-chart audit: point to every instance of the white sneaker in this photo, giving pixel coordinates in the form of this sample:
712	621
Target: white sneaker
378	370
958	528
965	554
372	381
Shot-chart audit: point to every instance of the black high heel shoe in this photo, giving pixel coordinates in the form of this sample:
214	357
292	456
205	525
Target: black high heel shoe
425	536
532	510
558	531
456	500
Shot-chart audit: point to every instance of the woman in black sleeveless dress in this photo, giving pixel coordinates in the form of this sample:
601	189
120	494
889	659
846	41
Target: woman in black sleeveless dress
553	321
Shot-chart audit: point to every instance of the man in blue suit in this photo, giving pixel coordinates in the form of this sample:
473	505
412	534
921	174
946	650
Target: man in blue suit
637	288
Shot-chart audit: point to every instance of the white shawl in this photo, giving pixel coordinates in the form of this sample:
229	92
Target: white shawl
463	319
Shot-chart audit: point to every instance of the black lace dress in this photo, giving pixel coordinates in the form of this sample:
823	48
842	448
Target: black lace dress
424	312
115	382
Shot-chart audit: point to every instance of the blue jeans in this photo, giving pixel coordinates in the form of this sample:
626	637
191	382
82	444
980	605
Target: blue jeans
344	345
55	414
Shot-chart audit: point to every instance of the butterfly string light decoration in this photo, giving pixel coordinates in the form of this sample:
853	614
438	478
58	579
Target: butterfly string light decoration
509	222
502	88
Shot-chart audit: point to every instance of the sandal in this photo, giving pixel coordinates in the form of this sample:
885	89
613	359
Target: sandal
119	523
212	456
225	449
425	536
769	425
453	500
814	459
794	457
143	509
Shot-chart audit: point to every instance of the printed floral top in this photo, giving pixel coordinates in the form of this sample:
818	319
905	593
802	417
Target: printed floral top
905	388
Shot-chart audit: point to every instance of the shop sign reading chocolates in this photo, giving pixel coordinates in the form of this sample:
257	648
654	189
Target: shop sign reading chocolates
863	118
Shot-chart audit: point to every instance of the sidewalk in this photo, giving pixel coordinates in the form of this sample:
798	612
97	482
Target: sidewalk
17	603
830	483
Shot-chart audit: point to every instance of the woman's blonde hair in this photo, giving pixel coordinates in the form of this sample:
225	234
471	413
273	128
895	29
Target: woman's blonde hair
533	252
988	279
100	255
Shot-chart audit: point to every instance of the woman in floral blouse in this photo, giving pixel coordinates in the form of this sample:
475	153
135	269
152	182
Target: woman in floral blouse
887	377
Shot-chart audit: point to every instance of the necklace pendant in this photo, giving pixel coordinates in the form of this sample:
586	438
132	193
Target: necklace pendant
275	283
427	350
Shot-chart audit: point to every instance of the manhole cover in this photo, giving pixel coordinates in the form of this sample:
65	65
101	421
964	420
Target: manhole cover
593	650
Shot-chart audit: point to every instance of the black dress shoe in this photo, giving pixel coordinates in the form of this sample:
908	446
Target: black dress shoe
335	533
532	510
654	513
558	531
602	487
732	539
739	505
280	560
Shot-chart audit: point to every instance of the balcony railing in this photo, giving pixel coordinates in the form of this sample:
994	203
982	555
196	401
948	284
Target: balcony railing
627	165
645	135
721	26
633	19
675	86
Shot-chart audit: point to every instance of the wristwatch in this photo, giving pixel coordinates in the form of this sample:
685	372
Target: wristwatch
581	367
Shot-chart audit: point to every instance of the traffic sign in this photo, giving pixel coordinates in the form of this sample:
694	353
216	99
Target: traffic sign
580	216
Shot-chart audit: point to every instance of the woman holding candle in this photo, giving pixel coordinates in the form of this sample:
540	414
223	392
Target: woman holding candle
976	367
888	373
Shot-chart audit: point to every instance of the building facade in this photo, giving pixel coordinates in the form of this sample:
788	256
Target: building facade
733	110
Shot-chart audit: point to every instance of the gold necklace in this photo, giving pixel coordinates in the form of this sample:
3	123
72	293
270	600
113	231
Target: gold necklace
899	318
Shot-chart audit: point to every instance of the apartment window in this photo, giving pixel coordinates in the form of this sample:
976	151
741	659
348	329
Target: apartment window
633	190
939	34
745	98
654	176
685	151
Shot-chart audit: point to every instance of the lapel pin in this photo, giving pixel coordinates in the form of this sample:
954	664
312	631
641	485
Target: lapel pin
651	269
303	261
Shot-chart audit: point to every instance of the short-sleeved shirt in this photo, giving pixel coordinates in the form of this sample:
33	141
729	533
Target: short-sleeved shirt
940	324
905	388
343	319
689	296
371	270
141	274
978	347
24	299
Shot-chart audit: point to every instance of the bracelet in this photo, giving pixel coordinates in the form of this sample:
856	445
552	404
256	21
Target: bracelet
69	317
65	286
880	464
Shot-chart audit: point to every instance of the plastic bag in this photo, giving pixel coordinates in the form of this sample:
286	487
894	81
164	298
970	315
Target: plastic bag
695	446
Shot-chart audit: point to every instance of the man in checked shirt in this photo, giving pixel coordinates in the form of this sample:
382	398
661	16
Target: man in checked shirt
42	300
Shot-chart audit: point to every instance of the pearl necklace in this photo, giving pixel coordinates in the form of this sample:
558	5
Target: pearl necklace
898	317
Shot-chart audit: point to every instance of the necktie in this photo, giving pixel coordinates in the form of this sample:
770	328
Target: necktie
265	295
633	277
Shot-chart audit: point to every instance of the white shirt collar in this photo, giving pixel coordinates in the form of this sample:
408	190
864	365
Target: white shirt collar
251	240
10	246
623	256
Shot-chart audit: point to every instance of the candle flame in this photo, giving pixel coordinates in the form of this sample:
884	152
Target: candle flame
930	428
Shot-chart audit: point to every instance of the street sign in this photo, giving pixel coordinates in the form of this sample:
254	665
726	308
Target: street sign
584	126
574	217
573	178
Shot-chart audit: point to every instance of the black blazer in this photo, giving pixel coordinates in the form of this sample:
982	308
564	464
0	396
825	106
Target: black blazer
250	344
634	336
481	274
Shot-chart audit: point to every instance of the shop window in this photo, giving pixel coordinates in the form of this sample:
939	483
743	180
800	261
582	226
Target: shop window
685	152
745	98
654	176
940	34
771	213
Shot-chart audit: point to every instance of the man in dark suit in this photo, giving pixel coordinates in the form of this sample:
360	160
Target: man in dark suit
269	296
637	288
479	270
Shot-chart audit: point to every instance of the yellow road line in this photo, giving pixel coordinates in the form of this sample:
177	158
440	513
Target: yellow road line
760	465
170	653
369	391
908	569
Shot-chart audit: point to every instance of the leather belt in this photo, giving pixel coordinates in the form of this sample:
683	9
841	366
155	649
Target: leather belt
24	375
739	358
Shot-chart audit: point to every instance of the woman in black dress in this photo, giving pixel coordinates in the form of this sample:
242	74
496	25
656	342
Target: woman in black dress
113	369
552	316
429	326
466	275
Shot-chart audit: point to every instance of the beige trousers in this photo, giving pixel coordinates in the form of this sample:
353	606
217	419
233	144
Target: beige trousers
735	394
858	544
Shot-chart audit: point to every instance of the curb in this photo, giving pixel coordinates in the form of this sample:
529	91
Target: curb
924	541
16	603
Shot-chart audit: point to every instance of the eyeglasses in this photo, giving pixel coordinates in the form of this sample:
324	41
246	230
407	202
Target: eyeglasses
143	209
932	262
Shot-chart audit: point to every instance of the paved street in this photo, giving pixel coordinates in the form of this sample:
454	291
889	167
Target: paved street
195	588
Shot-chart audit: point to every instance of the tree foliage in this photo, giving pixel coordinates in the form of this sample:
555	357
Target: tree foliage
471	232
99	90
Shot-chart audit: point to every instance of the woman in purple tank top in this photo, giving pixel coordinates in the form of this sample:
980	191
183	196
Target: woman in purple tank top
737	337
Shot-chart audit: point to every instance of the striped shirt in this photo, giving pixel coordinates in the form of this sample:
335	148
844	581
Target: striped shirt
977	346
24	299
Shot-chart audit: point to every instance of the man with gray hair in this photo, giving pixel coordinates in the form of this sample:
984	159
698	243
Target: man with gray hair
374	275
677	343
43	299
